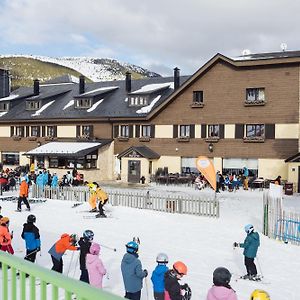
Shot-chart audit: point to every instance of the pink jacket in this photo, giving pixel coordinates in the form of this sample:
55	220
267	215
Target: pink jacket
95	270
221	293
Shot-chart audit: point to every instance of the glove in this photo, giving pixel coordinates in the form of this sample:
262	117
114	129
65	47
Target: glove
77	248
146	273
185	286
235	244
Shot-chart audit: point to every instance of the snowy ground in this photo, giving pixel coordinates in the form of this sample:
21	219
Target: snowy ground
202	243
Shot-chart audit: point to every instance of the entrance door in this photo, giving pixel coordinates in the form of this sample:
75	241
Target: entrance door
134	171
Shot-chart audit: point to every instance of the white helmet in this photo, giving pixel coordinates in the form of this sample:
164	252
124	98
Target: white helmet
162	258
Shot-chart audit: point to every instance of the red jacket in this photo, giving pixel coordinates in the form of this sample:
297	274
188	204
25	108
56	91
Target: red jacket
24	189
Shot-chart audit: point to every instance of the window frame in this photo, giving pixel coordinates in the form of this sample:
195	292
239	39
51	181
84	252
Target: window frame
255	136
124	129
4	106
216	128
198	97
34	129
147	129
256	99
184	131
83	103
32	105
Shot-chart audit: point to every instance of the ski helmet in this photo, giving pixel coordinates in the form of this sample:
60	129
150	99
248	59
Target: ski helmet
4	221
132	247
249	228
88	235
95	249
221	276
180	268
260	295
74	237
162	258
31	219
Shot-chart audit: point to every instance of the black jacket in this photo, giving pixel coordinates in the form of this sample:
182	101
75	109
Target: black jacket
84	250
172	285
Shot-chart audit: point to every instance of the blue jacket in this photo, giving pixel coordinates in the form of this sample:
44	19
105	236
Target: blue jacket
132	273
40	180
251	245
54	182
158	278
31	236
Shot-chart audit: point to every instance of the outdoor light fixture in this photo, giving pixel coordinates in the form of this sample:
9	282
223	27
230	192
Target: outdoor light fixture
39	143
210	147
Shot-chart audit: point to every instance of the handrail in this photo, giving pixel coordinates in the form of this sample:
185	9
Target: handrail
56	280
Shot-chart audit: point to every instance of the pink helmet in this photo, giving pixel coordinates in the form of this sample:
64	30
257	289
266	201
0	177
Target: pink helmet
95	249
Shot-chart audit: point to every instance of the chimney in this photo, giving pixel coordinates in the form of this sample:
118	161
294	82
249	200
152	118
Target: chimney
4	83
36	86
176	78
81	84
128	82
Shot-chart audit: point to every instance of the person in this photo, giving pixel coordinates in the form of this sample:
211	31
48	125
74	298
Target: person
158	276
66	242
218	182
278	180
132	272
221	289
31	236
102	197
250	246
260	295
93	198
5	236
85	242
173	289
95	267
246	178
54	182
23	195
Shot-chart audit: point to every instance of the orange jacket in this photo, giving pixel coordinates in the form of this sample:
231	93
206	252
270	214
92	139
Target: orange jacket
101	195
64	244
24	189
5	236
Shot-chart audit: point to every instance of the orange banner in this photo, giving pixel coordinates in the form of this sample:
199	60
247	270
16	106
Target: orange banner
207	169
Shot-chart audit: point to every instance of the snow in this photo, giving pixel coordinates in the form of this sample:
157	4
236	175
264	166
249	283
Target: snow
150	88
202	243
63	147
10	97
103	89
38	112
94	106
146	109
3	113
70	103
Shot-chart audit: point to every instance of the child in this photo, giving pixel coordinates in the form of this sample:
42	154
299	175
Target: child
221	288
173	290
158	276
5	236
23	194
95	267
66	242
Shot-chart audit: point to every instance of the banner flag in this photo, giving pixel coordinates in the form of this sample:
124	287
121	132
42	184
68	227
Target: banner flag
207	169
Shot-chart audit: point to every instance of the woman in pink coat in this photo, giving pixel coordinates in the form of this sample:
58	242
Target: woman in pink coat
221	290
95	266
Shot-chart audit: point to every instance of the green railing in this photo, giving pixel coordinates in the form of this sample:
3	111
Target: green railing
42	283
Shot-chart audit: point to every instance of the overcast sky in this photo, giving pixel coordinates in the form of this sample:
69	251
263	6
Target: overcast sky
155	34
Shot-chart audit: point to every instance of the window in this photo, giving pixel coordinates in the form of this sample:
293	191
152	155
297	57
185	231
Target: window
51	131
86	130
83	103
184	131
10	158
255	95
35	131
146	131
198	97
124	132
19	131
53	162
213	131
255	131
4	106
33	105
138	100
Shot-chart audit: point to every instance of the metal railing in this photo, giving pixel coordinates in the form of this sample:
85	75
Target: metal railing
42	283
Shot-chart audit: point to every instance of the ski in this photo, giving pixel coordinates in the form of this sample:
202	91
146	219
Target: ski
258	279
76	204
95	217
86	211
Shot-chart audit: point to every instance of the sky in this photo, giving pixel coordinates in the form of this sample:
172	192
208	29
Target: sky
158	34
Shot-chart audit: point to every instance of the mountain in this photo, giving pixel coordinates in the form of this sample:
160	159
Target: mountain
25	68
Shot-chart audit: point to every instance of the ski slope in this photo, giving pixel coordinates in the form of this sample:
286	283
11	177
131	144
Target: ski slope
202	243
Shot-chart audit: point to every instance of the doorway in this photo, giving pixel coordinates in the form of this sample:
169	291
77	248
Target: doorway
134	171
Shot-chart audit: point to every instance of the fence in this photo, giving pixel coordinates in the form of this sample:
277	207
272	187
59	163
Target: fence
137	199
42	283
279	223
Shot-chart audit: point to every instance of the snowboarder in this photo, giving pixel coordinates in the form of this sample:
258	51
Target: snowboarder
250	246
31	236
5	236
95	267
173	290
132	272
221	288
260	295
85	243
23	194
158	276
66	242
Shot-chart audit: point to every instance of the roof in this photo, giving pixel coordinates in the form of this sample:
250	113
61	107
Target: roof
70	149
269	55
143	151
294	158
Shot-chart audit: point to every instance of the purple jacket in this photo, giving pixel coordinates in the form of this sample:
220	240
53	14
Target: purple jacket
95	270
221	293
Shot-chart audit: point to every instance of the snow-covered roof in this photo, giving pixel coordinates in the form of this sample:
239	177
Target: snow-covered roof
70	103
150	88
3	113
95	105
146	109
10	97
99	90
38	112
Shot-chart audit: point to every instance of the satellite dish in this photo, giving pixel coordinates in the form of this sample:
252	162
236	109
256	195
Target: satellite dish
283	46
246	52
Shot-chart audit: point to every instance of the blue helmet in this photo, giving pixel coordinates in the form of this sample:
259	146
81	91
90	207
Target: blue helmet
132	247
249	228
88	235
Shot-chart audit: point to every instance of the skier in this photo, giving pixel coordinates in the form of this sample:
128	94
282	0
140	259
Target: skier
173	290
85	243
93	198
66	242
221	288
158	276
23	194
132	272
31	236
95	267
5	236
260	295
250	246
103	199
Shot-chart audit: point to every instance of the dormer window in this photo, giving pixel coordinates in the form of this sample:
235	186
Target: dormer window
33	105
4	106
138	100
83	103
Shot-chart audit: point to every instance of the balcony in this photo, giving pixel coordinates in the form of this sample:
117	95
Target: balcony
123	138
197	105
254	102
212	139
144	139
16	137
32	138
183	139
254	139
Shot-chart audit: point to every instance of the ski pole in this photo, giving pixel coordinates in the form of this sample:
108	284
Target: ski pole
260	270
146	286
107	247
31	253
70	262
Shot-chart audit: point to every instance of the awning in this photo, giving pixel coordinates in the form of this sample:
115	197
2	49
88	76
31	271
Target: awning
66	149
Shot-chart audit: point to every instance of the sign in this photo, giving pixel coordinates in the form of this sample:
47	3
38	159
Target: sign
207	169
